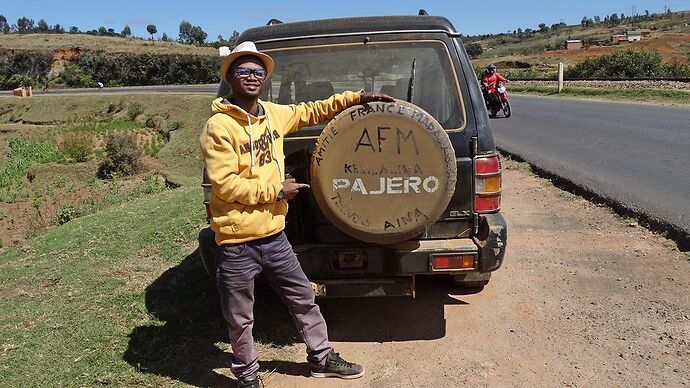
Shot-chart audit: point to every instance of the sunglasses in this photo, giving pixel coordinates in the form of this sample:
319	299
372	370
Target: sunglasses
244	72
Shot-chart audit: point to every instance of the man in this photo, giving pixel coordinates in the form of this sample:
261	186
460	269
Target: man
490	79
242	146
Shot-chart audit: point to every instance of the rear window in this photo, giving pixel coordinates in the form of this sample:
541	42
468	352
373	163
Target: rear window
316	72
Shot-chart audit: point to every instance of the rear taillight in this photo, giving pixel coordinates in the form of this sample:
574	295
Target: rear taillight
444	262
487	184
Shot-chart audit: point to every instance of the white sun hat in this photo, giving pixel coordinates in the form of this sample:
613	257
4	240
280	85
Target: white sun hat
245	49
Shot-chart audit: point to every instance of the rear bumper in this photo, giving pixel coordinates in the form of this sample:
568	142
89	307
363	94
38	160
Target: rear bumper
387	270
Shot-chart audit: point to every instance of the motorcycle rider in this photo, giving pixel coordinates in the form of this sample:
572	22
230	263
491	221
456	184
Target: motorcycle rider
490	79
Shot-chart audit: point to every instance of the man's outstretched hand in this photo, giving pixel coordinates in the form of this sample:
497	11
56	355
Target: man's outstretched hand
367	97
291	188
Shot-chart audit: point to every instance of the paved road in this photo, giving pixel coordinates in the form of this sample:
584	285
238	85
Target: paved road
635	155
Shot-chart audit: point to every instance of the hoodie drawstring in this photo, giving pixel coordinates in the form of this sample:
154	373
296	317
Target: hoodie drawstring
251	144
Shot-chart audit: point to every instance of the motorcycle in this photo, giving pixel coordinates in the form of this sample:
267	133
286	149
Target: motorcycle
498	100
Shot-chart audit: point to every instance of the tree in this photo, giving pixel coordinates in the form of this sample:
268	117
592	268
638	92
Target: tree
185	32
58	29
151	28
102	31
236	35
4	26
583	22
74	30
597	19
165	38
198	35
43	26
543	27
474	50
25	25
614	19
126	32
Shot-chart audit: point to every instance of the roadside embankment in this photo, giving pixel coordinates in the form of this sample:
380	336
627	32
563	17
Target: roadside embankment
643	84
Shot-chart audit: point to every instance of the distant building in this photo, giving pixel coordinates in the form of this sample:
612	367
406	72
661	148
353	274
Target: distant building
617	38
573	44
634	36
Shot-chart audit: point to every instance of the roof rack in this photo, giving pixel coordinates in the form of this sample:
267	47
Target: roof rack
422	12
274	22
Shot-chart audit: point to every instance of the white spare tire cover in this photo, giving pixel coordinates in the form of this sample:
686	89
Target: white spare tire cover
383	172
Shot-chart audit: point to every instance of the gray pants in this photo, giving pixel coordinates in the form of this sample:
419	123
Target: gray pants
273	260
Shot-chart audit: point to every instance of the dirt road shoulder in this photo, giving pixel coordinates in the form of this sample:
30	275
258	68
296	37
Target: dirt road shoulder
585	298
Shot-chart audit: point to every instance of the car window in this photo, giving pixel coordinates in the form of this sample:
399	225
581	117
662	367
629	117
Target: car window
316	72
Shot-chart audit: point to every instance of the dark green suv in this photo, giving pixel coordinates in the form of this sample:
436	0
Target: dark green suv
398	189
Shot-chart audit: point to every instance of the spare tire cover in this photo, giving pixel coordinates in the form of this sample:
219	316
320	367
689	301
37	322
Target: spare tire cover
383	172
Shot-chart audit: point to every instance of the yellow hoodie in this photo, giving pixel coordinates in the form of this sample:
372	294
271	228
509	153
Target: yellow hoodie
244	160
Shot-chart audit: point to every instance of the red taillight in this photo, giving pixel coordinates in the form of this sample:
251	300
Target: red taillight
450	262
488	165
487	203
487	184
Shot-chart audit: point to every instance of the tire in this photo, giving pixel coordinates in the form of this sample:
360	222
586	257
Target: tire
383	172
474	284
506	109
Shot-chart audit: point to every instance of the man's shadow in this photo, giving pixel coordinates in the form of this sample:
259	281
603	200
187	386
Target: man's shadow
188	344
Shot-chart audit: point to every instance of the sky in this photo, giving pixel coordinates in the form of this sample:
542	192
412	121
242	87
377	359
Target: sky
222	18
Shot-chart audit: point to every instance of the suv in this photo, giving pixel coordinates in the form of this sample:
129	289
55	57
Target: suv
398	189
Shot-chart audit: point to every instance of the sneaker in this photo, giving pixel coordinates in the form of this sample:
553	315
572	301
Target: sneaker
251	381
337	367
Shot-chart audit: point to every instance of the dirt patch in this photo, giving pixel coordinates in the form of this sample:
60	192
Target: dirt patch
61	58
585	298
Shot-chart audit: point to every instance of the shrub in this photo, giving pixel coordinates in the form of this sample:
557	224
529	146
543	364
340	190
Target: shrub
75	76
123	155
677	70
155	122
78	146
628	63
474	50
134	110
66	214
19	80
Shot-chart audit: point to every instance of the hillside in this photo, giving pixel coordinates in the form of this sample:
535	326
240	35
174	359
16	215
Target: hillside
538	55
55	42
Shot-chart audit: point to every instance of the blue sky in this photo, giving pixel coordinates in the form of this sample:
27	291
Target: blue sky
469	17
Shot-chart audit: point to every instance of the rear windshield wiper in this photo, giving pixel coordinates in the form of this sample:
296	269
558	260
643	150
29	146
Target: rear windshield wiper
410	86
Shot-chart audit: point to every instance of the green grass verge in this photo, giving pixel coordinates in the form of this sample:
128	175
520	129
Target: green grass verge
76	303
120	297
664	96
116	298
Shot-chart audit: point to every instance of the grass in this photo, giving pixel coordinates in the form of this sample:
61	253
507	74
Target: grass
117	124
70	303
185	114
634	95
100	302
52	42
22	154
119	296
